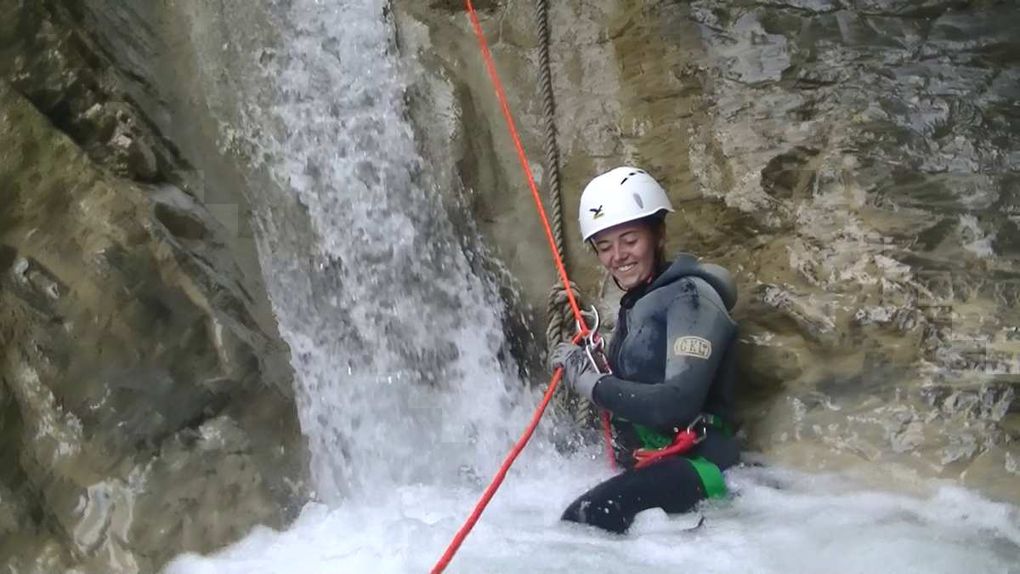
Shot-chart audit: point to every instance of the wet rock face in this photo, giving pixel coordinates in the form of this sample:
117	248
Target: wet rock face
854	165
68	78
874	142
142	412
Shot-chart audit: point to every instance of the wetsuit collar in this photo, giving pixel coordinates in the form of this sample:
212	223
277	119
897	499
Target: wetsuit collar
632	295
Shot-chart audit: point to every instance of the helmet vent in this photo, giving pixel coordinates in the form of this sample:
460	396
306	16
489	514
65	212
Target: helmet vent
637	199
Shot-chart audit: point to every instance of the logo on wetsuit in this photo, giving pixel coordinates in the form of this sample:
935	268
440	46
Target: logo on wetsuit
693	347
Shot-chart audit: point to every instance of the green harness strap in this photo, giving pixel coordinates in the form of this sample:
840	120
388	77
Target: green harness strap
651	438
711	476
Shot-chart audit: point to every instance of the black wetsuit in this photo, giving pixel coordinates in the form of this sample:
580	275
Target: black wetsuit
672	360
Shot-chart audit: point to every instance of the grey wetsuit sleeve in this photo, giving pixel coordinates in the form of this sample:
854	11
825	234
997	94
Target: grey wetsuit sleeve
698	332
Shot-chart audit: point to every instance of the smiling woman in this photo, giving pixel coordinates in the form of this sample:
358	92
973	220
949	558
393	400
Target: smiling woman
670	357
621	215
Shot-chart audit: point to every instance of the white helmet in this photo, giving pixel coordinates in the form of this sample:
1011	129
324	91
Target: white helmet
618	196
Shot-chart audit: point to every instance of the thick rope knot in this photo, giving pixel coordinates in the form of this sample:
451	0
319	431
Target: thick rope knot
562	327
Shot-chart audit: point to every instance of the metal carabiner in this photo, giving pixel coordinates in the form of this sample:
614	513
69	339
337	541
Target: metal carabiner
702	430
594	344
594	328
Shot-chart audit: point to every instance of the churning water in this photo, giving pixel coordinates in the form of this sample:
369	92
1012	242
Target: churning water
408	406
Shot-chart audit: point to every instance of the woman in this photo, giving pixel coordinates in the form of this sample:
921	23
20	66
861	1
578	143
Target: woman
671	357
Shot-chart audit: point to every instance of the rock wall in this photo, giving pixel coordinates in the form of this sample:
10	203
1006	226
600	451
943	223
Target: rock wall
854	163
145	401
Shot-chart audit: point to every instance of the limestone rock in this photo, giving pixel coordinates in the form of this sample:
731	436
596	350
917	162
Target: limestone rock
144	406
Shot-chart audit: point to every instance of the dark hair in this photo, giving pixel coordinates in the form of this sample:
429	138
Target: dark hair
657	223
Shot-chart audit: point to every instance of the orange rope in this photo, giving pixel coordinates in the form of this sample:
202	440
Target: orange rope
523	159
497	480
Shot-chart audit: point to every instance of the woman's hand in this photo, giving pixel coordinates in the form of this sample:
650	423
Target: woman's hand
578	372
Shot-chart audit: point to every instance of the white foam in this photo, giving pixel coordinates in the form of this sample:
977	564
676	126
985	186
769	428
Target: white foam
778	522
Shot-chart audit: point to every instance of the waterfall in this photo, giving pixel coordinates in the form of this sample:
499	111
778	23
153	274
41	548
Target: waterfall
394	339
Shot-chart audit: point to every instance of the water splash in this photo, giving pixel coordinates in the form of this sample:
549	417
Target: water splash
778	522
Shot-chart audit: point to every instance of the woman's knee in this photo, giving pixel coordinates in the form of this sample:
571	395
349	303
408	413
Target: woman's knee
606	514
671	484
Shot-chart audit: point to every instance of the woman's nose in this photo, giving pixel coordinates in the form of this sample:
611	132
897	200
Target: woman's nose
615	253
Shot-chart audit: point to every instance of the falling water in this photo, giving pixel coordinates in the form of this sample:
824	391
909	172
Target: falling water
407	407
394	340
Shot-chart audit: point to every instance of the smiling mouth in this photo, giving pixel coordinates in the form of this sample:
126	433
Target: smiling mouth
626	268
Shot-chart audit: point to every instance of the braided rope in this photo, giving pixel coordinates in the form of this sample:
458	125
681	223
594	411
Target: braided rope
561	325
552	151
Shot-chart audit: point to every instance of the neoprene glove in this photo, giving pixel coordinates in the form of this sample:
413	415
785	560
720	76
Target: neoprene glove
578	372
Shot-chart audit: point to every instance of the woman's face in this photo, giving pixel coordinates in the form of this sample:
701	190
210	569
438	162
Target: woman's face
627	251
